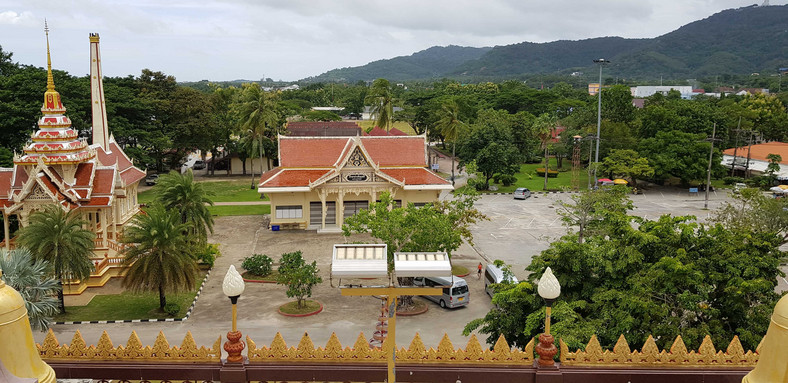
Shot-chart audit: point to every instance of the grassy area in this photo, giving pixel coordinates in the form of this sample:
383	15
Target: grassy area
527	178
401	125
292	307
129	306
239	210
459	270
219	191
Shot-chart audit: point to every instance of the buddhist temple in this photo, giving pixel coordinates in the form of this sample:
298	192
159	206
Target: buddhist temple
98	180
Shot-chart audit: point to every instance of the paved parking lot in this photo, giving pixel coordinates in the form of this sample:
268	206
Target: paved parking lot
517	231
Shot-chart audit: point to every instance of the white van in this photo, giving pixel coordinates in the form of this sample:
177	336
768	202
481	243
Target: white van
494	274
455	290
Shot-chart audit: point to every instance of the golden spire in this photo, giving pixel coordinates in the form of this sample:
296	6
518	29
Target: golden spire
52	101
50	79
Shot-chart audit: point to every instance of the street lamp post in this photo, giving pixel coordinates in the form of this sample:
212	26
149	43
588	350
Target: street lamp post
549	289
233	286
601	63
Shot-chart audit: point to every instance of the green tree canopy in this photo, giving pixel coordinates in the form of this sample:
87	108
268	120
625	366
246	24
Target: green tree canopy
178	192
626	163
157	254
32	279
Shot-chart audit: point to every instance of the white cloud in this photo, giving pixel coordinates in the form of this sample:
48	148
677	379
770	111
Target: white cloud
292	39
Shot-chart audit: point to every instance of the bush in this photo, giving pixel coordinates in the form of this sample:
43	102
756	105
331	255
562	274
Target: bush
550	172
291	261
208	254
258	264
732	180
508	179
172	309
298	276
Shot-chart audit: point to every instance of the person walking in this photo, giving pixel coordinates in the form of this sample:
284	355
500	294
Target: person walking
479	271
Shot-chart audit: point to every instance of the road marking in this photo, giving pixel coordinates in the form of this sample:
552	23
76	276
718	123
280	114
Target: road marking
663	196
551	223
507	223
529	223
494	236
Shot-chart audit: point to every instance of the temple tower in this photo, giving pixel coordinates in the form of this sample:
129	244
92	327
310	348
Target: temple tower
100	128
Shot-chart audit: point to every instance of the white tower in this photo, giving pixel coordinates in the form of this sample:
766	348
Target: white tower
100	128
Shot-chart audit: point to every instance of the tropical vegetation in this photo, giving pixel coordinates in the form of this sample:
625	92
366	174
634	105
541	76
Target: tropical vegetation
32	279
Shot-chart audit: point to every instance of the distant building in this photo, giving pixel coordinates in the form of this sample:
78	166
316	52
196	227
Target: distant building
758	161
646	91
378	131
323	129
367	113
335	109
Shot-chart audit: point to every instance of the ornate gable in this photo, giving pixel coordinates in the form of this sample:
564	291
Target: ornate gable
357	159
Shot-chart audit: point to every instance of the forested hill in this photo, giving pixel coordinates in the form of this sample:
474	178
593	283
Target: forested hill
434	62
735	41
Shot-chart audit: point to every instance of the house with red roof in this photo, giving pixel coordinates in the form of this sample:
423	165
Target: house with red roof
96	180
322	180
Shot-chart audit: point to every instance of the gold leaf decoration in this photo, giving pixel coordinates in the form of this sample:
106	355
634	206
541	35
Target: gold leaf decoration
445	348
104	348
678	352
501	349
528	351
473	350
333	348
133	350
416	351
306	349
49	348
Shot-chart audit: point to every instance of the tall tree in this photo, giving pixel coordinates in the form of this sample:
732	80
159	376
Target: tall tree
593	211
451	127
259	115
626	163
381	97
31	278
60	238
157	254
178	192
544	127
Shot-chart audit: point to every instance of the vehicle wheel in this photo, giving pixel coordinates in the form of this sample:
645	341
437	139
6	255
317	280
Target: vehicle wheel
443	304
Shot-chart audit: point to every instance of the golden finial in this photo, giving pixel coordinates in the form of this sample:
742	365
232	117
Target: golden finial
50	79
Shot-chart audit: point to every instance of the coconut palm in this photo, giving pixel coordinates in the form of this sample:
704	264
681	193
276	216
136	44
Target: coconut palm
32	279
544	126
259	115
60	238
157	254
179	192
450	126
381	99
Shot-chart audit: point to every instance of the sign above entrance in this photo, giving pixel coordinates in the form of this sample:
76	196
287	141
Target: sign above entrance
356	177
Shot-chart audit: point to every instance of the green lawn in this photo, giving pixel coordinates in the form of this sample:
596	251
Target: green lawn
220	191
401	125
527	178
240	210
129	306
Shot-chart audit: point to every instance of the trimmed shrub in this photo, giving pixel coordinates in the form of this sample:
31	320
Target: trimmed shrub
208	254
258	264
508	179
172	309
732	180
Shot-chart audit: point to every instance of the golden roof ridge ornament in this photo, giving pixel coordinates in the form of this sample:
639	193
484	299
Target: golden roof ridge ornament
52	102
50	79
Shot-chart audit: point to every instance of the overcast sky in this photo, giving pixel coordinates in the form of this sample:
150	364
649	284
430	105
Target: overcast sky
293	39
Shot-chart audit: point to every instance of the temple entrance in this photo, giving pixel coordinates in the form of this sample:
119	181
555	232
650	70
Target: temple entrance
353	207
316	213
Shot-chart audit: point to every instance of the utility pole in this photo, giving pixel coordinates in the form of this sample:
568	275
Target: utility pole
590	153
735	148
749	148
708	172
601	63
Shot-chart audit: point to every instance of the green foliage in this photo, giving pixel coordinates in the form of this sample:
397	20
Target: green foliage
752	211
321	115
172	309
626	163
258	264
679	154
732	180
298	276
208	254
380	96
60	239
31	278
774	163
595	212
180	193
158	253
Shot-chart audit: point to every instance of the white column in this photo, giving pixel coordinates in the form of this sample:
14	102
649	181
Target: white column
103	219
6	232
323	207
340	208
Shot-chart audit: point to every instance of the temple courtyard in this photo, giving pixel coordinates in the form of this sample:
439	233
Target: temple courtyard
517	230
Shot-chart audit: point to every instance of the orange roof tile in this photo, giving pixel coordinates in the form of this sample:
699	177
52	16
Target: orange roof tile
20	177
760	151
310	151
396	151
293	177
104	181
416	176
5	182
83	174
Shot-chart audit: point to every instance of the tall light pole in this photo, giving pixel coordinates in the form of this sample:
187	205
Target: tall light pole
601	63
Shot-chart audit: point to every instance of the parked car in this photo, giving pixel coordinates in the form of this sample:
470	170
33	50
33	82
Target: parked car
492	275
151	179
199	164
522	193
455	290
738	186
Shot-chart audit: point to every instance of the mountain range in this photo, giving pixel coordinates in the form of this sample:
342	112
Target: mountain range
735	41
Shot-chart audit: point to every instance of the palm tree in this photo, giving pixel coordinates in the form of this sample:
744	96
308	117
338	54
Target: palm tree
450	125
381	99
59	237
544	126
31	278
157	254
258	113
180	193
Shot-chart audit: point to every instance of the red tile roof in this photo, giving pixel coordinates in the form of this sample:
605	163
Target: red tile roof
104	181
83	175
310	151
396	151
128	172
415	176
324	128
760	151
20	177
5	182
378	131
292	177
